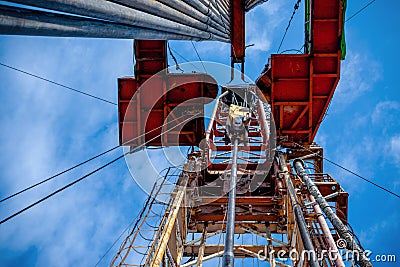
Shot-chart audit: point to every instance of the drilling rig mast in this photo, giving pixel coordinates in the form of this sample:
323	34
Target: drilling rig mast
255	188
248	180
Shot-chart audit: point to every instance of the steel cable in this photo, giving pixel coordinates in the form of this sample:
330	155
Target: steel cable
84	162
87	175
360	10
58	84
349	171
296	6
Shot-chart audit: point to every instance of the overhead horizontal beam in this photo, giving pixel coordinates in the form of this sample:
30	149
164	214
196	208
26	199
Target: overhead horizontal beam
253	200
238	218
217	226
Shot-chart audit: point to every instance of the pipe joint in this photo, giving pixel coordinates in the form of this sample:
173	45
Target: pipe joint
299	161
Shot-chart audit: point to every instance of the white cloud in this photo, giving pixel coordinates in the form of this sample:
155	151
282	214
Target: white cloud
353	83
207	49
383	109
261	24
395	148
380	229
271	8
345	179
321	139
46	129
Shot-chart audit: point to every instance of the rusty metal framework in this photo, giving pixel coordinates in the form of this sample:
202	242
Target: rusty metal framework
269	219
255	193
279	213
246	186
300	87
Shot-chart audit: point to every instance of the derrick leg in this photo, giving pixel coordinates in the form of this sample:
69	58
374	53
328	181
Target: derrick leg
298	214
342	229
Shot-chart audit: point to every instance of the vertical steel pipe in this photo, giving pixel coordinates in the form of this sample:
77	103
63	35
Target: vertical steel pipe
194	12
265	127
228	259
219	9
112	12
211	5
333	250
20	21
223	5
161	10
214	113
342	229
298	213
226	3
207	10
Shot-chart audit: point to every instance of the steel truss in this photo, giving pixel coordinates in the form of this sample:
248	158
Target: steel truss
282	215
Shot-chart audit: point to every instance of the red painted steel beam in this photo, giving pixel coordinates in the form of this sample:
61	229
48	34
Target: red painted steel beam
144	104
238	31
253	200
238	218
300	87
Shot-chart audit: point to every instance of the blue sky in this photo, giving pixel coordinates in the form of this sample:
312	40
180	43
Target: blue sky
46	129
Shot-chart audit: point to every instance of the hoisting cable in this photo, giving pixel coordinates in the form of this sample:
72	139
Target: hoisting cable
360	10
58	174
185	59
350	171
296	6
58	84
174	59
197	53
84	162
62	188
89	174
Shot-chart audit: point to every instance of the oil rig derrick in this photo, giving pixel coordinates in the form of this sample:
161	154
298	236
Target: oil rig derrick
254	187
239	187
257	174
